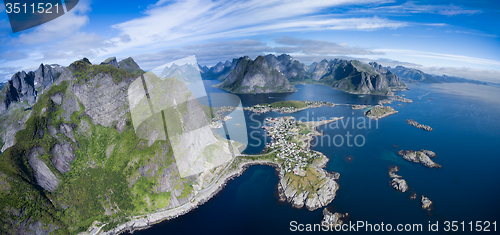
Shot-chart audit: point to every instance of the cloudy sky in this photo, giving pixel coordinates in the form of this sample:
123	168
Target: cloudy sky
458	38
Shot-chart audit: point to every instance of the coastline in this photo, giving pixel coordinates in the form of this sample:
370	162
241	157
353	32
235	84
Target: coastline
242	163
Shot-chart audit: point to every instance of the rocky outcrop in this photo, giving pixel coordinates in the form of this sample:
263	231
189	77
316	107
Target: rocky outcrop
417	125
63	154
420	157
256	76
43	176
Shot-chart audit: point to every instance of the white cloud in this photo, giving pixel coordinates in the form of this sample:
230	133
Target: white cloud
77	45
7	72
307	46
13	55
410	7
182	22
472	33
449	57
206	53
58	28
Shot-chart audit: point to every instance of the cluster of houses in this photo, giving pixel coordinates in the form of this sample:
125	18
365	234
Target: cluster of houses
264	108
282	130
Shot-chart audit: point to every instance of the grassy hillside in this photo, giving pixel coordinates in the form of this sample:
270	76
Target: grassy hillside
289	103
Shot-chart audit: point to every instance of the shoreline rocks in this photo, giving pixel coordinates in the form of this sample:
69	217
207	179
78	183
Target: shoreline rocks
325	193
418	125
379	111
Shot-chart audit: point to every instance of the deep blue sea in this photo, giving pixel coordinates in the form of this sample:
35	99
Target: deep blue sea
466	140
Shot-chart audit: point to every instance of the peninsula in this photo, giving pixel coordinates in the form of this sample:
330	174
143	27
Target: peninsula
303	181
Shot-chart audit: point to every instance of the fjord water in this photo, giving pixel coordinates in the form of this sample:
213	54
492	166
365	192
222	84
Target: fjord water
465	139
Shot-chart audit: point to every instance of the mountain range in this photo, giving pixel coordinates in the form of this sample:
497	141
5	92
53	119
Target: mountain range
415	75
268	73
71	156
272	73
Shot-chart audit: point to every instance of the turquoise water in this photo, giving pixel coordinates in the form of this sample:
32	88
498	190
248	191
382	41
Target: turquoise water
465	138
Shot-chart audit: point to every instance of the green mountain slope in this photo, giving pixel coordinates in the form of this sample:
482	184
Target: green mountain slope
79	160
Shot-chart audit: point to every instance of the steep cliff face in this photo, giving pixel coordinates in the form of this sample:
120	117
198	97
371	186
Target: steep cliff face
24	87
392	80
356	77
256	76
291	69
77	158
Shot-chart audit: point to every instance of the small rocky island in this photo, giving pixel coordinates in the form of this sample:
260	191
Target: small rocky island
380	111
360	106
417	125
422	156
426	203
396	182
331	220
289	106
401	99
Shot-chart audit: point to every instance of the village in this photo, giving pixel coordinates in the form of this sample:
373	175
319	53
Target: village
286	133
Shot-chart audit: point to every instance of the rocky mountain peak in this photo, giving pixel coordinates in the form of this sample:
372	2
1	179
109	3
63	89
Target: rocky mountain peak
130	66
111	61
256	76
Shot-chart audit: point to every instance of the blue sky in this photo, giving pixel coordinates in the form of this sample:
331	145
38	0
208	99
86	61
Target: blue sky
458	38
